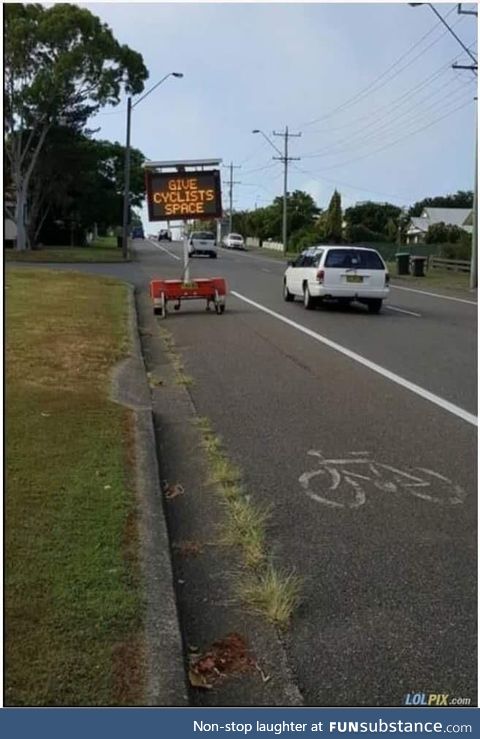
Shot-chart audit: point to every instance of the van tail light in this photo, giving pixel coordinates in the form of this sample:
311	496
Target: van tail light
320	275
387	278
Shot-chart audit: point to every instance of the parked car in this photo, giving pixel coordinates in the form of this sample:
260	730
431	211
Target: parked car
234	241
343	273
164	235
202	242
137	232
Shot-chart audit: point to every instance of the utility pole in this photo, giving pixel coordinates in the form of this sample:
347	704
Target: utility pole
231	182
473	68
474	259
285	159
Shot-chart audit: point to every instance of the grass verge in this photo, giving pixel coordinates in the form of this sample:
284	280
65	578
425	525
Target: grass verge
181	377
72	592
265	589
104	249
434	278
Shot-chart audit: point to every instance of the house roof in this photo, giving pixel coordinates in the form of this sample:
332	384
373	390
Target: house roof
418	224
449	216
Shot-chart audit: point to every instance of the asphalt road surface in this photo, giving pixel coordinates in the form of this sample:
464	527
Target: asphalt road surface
360	431
389	561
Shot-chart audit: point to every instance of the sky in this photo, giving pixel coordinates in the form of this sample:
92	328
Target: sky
370	87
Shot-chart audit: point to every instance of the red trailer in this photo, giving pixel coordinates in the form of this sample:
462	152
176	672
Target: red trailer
212	289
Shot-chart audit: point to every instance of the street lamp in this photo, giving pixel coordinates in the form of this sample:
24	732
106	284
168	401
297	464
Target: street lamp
126	191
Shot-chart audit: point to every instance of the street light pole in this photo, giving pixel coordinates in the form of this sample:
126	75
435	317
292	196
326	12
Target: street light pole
126	191
126	186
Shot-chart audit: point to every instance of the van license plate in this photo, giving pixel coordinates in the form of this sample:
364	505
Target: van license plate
354	278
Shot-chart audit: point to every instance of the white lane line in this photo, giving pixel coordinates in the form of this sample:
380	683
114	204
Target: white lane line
402	310
434	295
157	246
426	394
264	269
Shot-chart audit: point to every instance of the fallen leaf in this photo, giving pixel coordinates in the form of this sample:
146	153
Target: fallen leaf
107	487
198	681
225	657
171	491
188	548
264	676
45	415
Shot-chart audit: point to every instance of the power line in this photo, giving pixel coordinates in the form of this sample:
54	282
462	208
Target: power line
396	101
390	127
402	138
364	92
261	169
318	178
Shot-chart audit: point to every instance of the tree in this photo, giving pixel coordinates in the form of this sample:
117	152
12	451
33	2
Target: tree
379	218
334	219
79	181
61	63
440	233
461	199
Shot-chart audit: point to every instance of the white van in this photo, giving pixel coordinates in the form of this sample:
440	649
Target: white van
344	273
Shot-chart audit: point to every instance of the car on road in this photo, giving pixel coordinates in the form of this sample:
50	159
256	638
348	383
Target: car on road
164	235
233	241
342	273
137	232
202	242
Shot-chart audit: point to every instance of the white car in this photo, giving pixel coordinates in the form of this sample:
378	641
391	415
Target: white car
234	241
202	242
344	273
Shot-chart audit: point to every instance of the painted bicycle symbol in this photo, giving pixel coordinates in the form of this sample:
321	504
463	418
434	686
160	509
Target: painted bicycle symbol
342	483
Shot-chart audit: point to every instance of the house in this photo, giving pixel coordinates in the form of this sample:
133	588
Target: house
418	226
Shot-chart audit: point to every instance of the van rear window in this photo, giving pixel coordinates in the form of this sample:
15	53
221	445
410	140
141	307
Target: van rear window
353	259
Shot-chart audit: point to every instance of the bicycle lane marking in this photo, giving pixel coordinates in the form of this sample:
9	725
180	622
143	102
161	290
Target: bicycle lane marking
422	392
340	471
157	246
434	295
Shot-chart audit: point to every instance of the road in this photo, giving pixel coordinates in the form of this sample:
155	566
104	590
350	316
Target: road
389	601
389	577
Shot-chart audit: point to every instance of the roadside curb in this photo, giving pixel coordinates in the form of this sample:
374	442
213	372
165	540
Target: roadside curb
209	608
165	675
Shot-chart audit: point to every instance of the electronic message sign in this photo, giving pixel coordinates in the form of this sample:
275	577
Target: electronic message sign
183	195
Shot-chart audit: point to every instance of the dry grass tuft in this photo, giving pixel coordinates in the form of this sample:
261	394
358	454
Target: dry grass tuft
272	593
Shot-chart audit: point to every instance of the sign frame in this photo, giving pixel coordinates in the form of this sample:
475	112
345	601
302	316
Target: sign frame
152	177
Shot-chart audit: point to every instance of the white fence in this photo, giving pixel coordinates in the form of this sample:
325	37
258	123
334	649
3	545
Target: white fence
252	241
274	245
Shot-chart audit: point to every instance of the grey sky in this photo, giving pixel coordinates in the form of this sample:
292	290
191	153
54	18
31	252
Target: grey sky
269	65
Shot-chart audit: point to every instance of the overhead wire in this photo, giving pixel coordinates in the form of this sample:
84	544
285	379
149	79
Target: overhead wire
373	86
402	138
446	66
318	178
389	127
